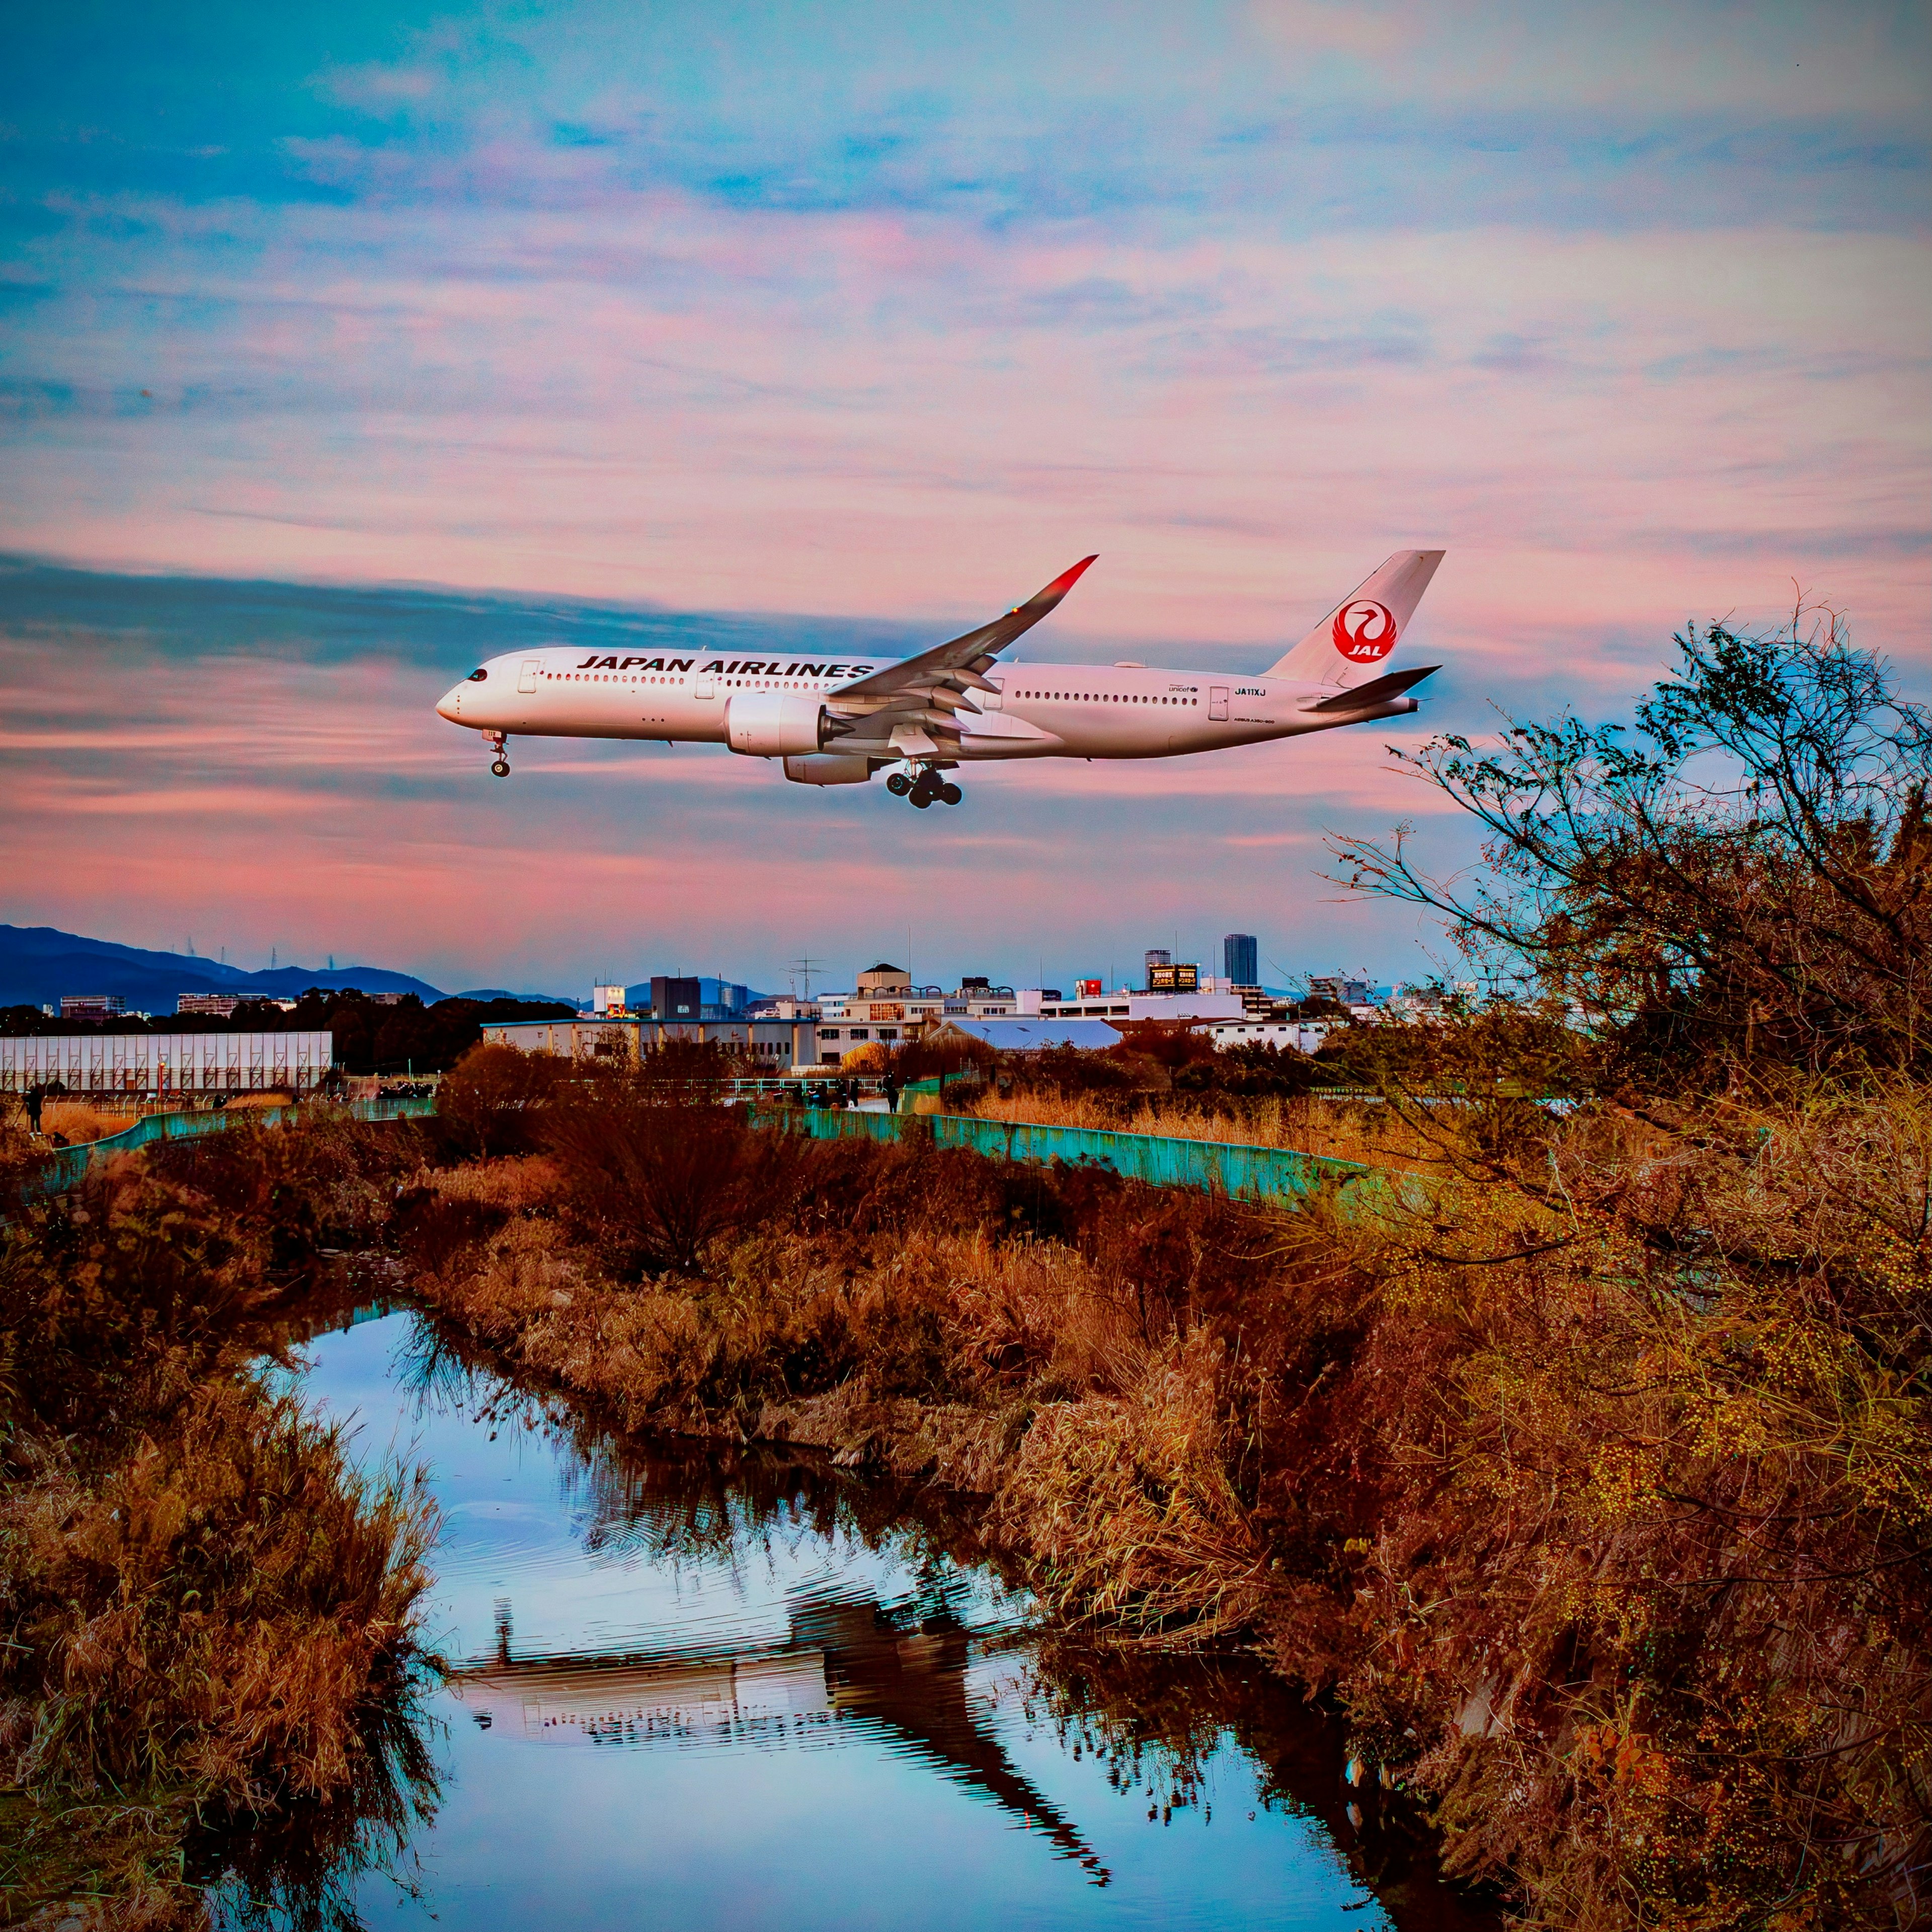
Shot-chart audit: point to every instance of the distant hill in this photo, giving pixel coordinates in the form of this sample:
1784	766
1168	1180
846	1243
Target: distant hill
504	993
38	963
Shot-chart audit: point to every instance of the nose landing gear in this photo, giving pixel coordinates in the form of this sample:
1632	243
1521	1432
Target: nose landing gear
924	787
500	744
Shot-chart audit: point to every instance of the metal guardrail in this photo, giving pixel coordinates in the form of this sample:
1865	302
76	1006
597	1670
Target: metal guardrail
67	1167
1235	1168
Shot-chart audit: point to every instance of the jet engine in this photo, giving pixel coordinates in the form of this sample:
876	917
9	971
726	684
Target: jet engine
774	724
828	771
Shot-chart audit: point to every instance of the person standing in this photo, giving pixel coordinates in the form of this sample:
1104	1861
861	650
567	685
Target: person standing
35	1096
889	1086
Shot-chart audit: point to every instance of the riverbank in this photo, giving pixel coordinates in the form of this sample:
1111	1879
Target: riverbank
1569	1534
210	1615
1595	1502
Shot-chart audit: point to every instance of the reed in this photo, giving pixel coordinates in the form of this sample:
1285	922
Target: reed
78	1121
1338	1130
210	1614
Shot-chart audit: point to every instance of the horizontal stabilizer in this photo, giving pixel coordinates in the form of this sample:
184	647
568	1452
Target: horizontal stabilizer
1367	696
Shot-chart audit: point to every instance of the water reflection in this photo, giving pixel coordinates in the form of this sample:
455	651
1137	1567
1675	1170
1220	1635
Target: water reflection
843	1659
748	1691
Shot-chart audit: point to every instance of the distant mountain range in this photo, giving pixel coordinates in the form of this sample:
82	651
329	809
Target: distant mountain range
40	963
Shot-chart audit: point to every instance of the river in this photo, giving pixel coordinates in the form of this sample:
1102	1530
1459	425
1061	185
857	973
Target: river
745	1692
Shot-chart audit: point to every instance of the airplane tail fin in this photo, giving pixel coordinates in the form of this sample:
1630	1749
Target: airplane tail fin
1352	641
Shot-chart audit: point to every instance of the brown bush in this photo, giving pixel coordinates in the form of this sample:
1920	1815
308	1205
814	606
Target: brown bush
491	1102
653	1177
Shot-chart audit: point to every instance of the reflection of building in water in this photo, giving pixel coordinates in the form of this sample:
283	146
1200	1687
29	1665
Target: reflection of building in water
843	1661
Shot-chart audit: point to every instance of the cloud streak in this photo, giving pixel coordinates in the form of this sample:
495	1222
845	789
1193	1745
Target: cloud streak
656	322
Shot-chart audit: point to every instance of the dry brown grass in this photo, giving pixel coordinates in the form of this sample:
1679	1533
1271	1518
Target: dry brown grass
1337	1129
208	1614
516	1183
83	1120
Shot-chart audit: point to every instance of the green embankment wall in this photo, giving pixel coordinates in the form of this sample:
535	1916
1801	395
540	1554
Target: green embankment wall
1246	1172
1249	1173
68	1167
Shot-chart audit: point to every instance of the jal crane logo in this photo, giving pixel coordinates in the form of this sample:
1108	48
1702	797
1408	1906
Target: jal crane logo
1364	630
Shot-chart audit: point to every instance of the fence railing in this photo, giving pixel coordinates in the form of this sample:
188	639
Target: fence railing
67	1167
1247	1172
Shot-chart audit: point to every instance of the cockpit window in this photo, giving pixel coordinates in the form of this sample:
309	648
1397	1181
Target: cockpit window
476	676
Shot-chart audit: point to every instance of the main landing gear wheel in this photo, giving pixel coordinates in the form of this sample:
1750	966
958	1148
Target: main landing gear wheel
951	793
921	797
899	784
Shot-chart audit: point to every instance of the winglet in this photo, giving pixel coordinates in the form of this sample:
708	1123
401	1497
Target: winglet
1043	601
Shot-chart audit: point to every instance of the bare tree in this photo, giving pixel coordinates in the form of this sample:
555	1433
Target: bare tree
1738	880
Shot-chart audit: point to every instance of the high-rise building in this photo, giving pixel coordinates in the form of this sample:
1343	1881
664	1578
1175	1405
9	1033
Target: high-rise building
1241	958
91	1006
692	998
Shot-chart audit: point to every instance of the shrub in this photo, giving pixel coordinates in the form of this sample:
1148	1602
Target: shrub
489	1102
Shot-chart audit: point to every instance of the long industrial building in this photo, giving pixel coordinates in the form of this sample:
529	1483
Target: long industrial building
136	1065
780	1045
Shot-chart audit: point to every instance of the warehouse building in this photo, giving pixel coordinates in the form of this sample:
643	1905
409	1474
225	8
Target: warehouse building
155	1065
779	1045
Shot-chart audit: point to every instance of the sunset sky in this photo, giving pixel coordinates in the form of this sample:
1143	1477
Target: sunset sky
346	346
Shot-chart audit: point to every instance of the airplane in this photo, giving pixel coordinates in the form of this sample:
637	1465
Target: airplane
843	720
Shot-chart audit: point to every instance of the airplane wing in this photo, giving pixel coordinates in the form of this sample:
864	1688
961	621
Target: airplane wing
920	698
1378	691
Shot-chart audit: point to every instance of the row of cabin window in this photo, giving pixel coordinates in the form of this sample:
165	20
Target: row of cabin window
621	677
799	684
1102	697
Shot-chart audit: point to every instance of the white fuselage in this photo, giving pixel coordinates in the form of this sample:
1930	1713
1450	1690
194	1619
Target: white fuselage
1037	710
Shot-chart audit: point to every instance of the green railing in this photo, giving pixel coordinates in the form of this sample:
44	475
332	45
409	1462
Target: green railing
1235	1168
67	1167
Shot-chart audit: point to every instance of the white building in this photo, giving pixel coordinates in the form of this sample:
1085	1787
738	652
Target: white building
1301	1036
1127	1005
154	1065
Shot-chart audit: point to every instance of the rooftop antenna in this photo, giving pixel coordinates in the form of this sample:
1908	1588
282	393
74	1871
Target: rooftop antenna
804	968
